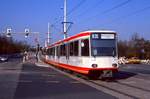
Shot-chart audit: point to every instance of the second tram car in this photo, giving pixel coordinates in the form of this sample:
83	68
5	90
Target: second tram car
92	53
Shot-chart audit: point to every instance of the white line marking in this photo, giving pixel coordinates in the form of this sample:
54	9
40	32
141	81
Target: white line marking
25	81
75	82
52	81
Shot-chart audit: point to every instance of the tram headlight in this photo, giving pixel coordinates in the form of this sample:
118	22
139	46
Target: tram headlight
114	65
94	65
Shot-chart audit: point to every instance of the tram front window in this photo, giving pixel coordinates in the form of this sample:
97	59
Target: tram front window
103	47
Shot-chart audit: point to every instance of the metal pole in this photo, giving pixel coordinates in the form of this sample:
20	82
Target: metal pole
65	19
48	34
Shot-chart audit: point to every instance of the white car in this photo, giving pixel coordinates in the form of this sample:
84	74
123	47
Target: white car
3	59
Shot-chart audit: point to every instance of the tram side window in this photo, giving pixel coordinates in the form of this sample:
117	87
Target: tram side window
58	51
53	51
76	47
71	49
85	47
49	51
63	50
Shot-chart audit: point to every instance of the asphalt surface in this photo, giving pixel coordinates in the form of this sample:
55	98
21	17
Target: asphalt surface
136	68
36	80
9	78
28	81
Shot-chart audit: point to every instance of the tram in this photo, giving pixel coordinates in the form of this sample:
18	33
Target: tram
92	53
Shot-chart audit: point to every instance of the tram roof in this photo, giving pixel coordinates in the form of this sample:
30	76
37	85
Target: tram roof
101	31
81	34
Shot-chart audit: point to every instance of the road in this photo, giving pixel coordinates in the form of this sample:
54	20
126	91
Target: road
28	81
32	80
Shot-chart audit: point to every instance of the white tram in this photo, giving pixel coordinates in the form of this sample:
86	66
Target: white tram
93	53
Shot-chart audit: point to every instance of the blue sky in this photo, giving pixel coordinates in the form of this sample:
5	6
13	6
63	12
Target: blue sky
124	16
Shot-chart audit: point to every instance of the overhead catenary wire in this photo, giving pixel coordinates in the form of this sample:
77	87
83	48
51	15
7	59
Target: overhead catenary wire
108	10
122	18
96	5
57	20
104	12
117	6
70	12
54	24
131	14
76	7
120	5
